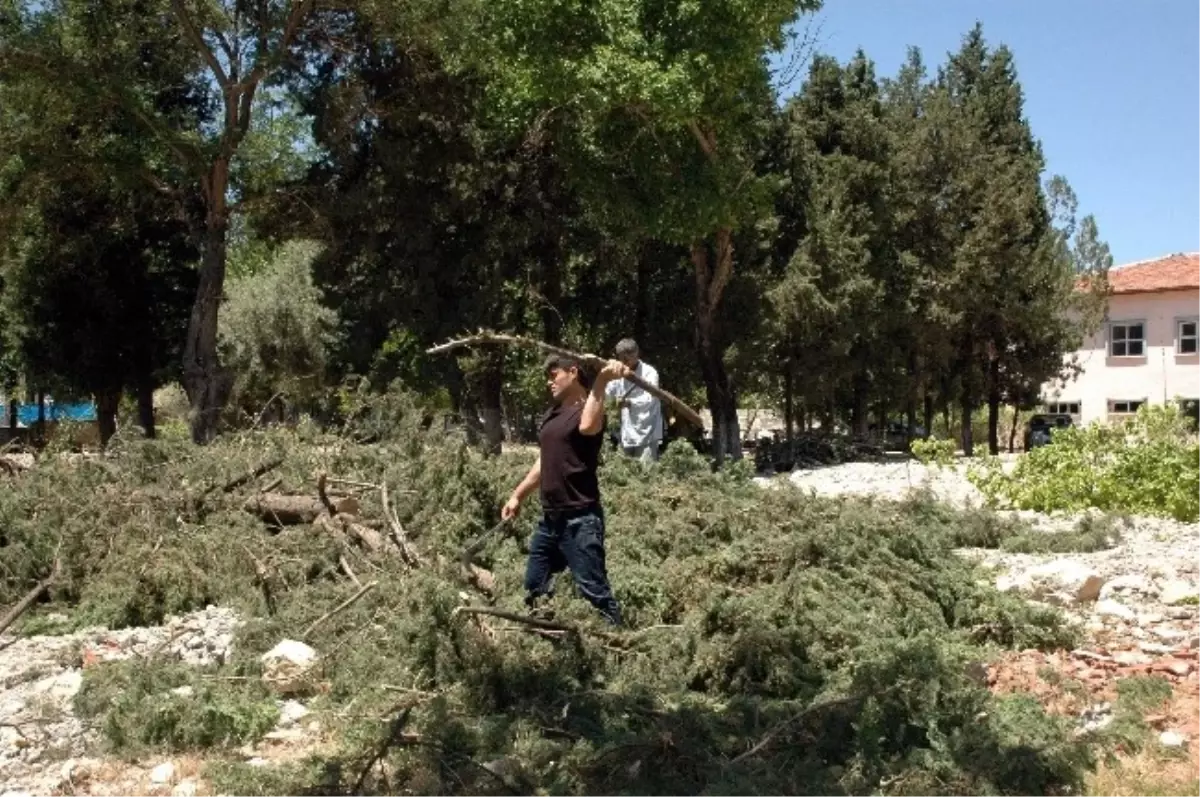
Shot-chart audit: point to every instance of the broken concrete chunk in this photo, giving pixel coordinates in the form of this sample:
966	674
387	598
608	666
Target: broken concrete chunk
289	666
1061	581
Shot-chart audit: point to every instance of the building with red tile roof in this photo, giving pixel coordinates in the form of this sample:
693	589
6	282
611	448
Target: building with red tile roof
1147	350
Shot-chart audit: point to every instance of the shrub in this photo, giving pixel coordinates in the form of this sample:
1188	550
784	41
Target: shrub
1150	466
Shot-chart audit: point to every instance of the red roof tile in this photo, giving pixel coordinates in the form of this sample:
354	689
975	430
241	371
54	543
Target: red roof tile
1171	273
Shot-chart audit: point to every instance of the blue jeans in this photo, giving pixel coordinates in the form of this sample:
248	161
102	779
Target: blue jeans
575	540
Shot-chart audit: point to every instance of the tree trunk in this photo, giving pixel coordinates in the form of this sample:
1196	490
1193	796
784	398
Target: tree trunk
145	402
491	388
13	403
551	276
713	272
789	403
206	383
107	403
967	441
859	413
994	407
1012	431
41	416
928	412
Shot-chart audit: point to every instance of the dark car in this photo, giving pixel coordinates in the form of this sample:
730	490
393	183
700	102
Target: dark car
1038	430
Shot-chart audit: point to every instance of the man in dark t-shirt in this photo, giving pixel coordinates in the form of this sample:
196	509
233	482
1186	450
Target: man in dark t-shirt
570	533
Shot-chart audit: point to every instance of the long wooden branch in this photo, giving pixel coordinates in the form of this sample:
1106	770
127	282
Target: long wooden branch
591	360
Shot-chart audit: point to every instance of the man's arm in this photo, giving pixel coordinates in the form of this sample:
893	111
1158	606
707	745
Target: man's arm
591	420
530	483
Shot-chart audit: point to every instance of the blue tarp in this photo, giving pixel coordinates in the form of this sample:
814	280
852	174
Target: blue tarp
27	414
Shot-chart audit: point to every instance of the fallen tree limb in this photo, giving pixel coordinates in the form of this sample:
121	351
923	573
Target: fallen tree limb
323	495
285	510
341	607
341	525
238	481
411	557
532	622
789	722
294	510
23	605
590	360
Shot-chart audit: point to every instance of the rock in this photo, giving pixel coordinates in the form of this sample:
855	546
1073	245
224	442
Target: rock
1061	581
1113	609
1130	582
1172	739
288	667
1179	667
185	788
1154	648
183	691
163	773
1177	591
291	712
1182	613
1168	634
1129	658
1097	717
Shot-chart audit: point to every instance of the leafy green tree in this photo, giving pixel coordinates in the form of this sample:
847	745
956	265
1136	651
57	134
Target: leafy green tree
666	103
835	297
98	258
432	221
227	50
276	337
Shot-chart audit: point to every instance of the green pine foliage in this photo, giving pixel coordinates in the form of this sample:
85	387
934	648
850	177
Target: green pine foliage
777	642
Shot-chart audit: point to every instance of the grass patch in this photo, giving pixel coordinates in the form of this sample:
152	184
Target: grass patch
143	707
1091	533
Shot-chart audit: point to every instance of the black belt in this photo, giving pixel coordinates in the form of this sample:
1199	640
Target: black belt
557	515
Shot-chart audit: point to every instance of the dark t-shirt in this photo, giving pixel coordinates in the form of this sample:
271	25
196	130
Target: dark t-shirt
569	460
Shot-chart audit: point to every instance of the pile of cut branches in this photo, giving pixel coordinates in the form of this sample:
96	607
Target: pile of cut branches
777	642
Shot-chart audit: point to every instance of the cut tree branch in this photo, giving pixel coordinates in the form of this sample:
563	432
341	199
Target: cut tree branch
341	607
591	360
30	597
410	555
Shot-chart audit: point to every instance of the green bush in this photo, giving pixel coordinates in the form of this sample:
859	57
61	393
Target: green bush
145	706
1148	466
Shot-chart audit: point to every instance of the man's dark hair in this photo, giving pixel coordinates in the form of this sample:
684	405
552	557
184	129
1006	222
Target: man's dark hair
564	363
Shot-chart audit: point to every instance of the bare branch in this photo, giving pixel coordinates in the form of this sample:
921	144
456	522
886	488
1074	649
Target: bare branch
410	555
341	607
592	360
197	40
723	269
265	59
705	138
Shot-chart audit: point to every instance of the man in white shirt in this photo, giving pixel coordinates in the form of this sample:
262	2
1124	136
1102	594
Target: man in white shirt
641	413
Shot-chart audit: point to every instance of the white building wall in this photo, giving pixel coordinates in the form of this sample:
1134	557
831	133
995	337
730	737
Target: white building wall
1162	374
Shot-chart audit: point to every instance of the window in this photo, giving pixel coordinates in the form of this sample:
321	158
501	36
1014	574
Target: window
1127	339
1185	336
1124	407
1063	408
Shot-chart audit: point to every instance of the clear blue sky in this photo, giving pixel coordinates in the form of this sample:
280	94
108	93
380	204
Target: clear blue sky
1112	89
